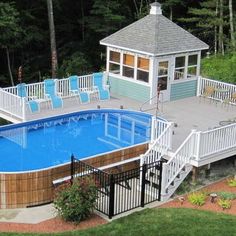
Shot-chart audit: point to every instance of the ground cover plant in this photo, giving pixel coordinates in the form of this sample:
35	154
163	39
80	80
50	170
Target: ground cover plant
197	198
225	203
231	182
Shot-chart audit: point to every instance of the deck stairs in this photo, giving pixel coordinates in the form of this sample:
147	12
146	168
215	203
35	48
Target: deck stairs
176	166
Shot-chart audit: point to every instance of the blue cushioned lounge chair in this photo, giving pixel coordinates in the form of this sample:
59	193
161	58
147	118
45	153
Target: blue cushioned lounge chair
103	92
75	91
21	92
51	93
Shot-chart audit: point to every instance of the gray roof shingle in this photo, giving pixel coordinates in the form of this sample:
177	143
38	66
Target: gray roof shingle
141	36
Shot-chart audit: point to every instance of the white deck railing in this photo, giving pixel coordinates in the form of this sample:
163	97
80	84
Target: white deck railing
12	104
215	141
162	131
223	91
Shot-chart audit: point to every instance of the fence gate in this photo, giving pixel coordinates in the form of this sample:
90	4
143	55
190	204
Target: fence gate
121	192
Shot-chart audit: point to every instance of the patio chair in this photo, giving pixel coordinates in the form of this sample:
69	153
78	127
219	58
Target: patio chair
22	92
103	90
75	90
51	93
208	92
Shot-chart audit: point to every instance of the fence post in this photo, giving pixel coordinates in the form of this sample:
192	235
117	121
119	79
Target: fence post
160	180
144	170
111	196
72	159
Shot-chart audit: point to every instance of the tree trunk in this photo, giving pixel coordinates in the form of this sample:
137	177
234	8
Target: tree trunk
231	22
9	67
221	33
52	38
215	30
171	13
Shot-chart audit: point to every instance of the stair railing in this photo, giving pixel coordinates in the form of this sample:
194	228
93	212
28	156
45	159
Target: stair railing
187	150
161	144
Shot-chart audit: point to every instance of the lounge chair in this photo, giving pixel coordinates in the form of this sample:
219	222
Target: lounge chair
103	91
75	91
51	93
22	92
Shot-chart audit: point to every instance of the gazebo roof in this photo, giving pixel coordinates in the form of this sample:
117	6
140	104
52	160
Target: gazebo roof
154	35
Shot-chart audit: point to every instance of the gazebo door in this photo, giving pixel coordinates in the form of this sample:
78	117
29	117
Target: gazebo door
163	79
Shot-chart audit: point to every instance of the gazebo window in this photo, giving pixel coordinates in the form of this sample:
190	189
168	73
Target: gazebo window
143	69
114	62
192	65
179	67
128	65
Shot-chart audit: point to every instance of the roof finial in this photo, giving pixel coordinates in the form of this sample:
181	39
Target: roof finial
155	8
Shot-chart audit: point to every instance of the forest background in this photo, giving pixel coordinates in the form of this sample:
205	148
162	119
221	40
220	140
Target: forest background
27	29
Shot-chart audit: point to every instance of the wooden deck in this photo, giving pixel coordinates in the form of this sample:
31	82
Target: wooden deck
188	114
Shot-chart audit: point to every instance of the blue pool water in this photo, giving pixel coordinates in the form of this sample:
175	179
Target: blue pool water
50	142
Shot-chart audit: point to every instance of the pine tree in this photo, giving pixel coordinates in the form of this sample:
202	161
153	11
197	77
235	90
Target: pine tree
105	17
209	22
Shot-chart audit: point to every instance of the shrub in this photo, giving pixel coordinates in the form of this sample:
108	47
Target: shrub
231	182
197	198
224	203
76	202
226	195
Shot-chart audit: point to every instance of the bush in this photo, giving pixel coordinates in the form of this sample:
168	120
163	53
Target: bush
224	203
197	198
231	182
76	202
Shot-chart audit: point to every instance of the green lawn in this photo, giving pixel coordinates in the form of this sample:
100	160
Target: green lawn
175	222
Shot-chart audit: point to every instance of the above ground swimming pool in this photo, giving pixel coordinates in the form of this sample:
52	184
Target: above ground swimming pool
51	142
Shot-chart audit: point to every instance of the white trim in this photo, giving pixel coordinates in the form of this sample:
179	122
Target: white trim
184	80
129	79
152	54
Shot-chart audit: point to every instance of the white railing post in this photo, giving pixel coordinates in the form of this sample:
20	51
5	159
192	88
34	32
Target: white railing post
199	85
198	145
163	180
153	129
170	137
23	105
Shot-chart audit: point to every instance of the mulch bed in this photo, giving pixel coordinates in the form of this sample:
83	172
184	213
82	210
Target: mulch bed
58	225
52	225
220	186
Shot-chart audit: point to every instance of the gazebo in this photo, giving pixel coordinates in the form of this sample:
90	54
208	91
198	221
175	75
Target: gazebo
153	54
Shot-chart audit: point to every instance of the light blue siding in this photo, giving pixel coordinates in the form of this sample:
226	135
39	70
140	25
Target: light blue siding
183	90
128	89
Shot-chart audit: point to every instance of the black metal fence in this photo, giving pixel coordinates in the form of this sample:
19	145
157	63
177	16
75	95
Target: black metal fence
121	192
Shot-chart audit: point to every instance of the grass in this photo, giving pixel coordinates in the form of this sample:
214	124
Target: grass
164	222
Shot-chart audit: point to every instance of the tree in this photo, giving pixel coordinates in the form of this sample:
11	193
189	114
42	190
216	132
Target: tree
171	4
209	22
105	17
9	30
52	38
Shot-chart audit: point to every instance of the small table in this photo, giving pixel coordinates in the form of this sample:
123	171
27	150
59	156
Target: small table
93	94
41	100
221	93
